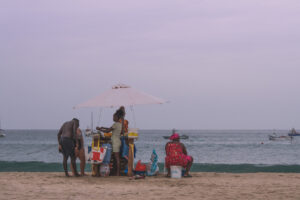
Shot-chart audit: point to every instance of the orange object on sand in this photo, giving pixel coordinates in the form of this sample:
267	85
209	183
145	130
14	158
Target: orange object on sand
140	167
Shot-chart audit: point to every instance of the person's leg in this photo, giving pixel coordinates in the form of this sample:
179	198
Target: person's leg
65	165
73	163
189	165
167	166
72	168
169	172
117	157
82	162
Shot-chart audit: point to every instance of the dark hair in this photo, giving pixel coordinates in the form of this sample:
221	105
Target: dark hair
75	119
115	115
120	113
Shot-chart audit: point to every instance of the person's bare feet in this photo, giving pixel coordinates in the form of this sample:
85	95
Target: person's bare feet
187	176
76	175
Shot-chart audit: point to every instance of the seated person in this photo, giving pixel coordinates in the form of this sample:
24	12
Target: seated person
176	154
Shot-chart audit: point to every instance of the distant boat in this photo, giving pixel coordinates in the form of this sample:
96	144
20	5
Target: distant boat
2	134
282	137
293	132
183	137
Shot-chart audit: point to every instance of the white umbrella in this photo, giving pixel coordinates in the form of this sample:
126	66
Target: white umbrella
121	95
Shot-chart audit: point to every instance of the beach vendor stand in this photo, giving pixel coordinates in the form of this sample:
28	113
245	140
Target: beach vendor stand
123	95
100	153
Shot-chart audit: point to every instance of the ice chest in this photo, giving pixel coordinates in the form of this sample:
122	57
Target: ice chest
176	171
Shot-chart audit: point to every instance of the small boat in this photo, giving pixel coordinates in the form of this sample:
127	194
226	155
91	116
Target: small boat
183	137
293	132
282	137
2	134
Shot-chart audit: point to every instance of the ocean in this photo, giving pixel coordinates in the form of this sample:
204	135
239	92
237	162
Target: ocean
236	151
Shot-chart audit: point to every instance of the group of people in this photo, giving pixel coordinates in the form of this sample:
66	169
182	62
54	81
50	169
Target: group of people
71	144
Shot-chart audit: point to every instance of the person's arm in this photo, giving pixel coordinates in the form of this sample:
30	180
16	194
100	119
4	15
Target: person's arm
122	130
183	149
74	134
59	134
58	138
104	129
81	141
166	147
81	137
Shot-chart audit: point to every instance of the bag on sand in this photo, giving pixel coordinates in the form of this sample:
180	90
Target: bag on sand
152	167
98	155
140	167
104	170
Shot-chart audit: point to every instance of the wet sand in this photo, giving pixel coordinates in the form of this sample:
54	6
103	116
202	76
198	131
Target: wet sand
212	186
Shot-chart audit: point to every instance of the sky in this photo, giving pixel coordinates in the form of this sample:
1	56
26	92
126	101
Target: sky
221	64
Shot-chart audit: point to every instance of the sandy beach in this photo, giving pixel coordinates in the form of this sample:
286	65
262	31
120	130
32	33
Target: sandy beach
27	185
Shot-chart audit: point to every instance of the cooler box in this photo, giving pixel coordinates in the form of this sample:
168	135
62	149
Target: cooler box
176	171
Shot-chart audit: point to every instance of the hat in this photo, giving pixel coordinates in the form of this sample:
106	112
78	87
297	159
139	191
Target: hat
174	136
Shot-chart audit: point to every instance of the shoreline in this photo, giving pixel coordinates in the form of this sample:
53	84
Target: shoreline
37	166
45	185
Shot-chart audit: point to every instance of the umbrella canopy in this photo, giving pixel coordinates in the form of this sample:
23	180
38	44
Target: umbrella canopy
121	95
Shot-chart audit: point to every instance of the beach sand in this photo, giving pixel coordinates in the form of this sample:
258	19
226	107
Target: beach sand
36	185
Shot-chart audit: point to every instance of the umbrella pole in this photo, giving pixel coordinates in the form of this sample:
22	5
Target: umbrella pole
131	148
130	156
92	121
133	116
100	117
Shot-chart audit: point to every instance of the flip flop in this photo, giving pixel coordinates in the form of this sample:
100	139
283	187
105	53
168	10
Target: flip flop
139	177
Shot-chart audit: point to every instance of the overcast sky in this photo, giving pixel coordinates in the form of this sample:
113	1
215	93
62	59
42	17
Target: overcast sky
222	64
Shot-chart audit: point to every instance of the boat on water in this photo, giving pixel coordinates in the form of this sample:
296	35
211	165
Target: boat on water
278	138
183	137
293	132
2	134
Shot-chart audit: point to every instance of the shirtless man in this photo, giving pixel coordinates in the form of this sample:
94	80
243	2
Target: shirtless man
68	142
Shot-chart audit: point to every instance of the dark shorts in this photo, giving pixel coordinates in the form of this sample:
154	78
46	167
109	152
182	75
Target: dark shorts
68	146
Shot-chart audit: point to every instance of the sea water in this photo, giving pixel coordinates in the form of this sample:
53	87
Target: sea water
212	150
